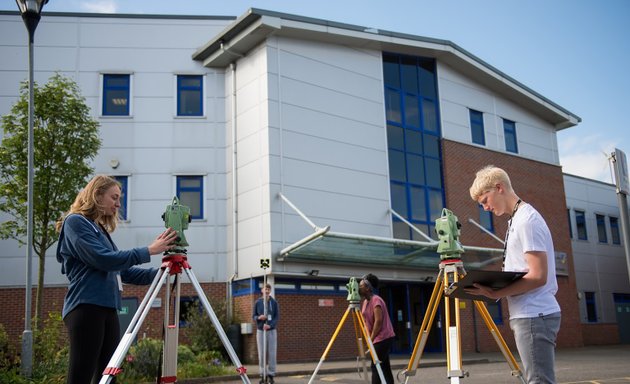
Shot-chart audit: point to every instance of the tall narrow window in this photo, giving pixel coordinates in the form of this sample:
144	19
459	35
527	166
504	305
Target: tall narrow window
614	230
476	127
509	131
116	95
580	222
591	308
413	141
190	193
189	95
601	228
122	212
569	220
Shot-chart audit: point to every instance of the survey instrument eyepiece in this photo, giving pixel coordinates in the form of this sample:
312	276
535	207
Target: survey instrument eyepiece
177	217
447	228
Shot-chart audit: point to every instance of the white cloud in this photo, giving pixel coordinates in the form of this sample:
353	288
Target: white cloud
587	156
99	6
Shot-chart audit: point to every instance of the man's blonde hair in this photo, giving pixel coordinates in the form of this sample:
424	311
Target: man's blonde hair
487	178
87	203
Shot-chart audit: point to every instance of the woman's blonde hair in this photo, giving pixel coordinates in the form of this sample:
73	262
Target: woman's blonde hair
87	203
487	178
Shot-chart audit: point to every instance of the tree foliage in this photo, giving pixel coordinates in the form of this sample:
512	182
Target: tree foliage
66	139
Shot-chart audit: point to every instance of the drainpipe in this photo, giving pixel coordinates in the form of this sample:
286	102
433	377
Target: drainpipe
234	196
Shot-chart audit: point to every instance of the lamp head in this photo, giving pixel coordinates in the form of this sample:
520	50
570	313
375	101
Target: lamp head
31	6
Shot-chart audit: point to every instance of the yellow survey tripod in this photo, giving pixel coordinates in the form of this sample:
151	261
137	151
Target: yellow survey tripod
354	308
451	270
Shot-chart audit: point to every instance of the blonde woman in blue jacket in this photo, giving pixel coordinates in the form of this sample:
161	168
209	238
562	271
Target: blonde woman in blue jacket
96	269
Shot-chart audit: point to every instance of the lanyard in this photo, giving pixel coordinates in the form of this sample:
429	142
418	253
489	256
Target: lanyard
507	233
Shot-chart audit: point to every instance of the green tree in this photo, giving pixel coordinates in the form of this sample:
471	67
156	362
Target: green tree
66	139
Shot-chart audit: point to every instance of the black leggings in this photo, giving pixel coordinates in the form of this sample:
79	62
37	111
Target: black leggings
94	333
382	351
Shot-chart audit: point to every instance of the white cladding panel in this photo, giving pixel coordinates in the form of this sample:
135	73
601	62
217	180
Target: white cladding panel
599	267
152	145
458	94
330	144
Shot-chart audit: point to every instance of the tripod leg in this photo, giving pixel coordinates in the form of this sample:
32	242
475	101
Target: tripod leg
453	350
427	321
360	346
375	360
113	367
242	371
498	338
330	344
171	334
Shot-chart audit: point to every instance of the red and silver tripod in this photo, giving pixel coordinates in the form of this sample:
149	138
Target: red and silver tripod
172	264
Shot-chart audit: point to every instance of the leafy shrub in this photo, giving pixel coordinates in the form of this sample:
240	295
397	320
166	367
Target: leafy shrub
201	331
50	355
143	362
8	357
206	364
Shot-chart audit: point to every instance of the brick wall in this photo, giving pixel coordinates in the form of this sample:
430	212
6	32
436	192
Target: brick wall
304	328
12	315
600	334
540	185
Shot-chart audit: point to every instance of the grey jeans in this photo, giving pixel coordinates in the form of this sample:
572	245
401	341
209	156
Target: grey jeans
536	341
272	346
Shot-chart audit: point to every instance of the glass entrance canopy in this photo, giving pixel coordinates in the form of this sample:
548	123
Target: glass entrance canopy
344	248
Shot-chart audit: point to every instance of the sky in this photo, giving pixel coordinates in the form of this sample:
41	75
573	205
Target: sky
574	52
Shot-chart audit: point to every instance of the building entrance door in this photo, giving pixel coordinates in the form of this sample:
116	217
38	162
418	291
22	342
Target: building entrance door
407	304
623	320
420	297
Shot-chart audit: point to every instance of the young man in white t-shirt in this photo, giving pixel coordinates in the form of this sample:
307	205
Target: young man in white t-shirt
534	311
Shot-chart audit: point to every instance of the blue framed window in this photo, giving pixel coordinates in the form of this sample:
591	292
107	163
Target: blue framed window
122	212
569	221
116	95
190	193
485	219
413	140
601	228
476	127
509	131
591	308
189	95
614	230
580	223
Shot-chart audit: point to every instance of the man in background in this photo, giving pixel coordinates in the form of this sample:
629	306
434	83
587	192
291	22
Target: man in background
266	314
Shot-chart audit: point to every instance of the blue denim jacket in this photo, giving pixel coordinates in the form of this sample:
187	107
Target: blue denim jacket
273	312
91	261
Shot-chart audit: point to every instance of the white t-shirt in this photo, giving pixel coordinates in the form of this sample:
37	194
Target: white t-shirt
529	232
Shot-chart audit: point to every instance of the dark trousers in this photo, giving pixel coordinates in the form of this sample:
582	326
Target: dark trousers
382	349
94	332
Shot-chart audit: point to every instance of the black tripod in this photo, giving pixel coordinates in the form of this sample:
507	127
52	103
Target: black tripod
172	264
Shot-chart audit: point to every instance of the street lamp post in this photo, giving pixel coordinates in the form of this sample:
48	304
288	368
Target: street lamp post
31	13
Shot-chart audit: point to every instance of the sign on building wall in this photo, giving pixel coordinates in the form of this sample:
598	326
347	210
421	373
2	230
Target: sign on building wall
562	269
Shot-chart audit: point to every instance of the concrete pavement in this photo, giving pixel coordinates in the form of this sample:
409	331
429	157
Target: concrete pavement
591	358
